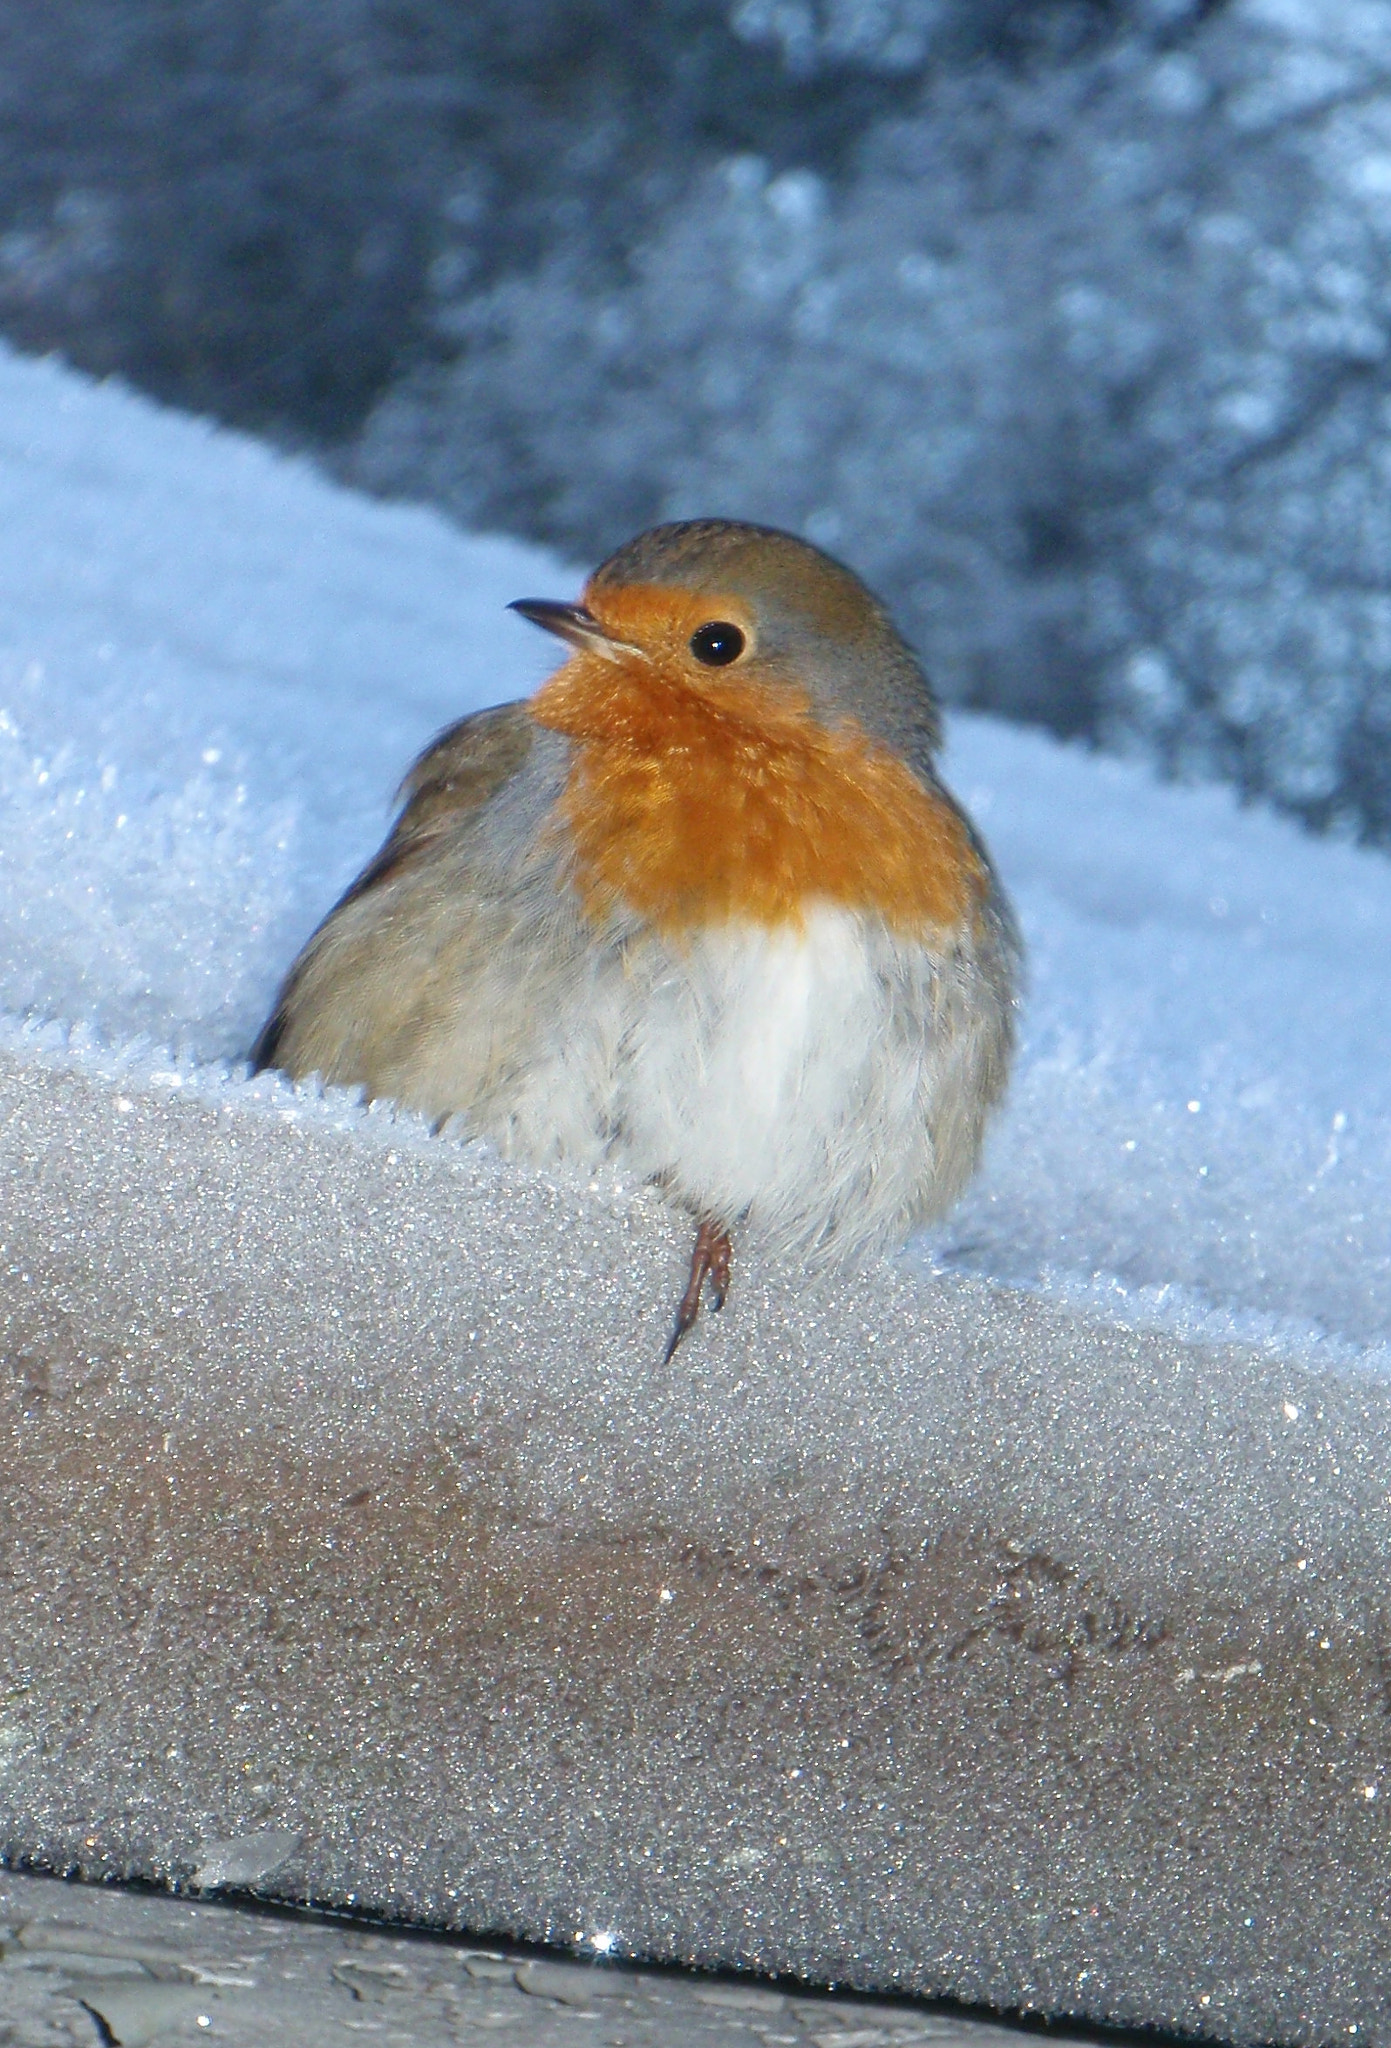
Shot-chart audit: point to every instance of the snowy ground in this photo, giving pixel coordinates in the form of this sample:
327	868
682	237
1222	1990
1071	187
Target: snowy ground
1021	1641
214	668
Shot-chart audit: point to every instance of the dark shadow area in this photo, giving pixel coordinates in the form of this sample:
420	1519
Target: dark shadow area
259	1904
1067	323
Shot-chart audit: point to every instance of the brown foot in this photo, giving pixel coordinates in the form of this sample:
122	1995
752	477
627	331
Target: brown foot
709	1260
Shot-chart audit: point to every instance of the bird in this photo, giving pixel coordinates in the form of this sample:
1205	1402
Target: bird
701	907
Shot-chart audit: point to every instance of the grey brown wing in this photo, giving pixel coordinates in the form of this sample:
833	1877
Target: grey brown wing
452	781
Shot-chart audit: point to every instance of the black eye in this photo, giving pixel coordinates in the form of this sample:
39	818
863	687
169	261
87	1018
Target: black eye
717	644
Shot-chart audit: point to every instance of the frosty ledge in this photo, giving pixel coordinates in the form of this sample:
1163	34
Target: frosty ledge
920	1635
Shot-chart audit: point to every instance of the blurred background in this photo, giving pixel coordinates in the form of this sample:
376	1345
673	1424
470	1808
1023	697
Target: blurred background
1065	322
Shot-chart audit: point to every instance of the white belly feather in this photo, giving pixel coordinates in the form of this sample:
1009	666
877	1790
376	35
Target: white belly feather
747	1073
829	1083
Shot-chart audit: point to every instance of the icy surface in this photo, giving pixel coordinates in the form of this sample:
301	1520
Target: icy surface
1026	1641
914	1637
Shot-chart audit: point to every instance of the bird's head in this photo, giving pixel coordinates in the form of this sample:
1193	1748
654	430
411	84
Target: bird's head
738	617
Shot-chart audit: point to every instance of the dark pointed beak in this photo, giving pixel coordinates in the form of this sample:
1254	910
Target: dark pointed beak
568	621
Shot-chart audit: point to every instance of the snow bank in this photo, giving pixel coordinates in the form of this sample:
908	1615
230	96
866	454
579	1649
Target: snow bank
1015	1628
213	670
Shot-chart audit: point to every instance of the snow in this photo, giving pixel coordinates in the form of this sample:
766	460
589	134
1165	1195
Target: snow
1007	1622
1204	1099
214	669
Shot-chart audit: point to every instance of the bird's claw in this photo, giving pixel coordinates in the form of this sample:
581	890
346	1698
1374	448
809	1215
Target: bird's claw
710	1260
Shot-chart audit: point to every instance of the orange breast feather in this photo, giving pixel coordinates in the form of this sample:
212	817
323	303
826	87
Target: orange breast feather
694	800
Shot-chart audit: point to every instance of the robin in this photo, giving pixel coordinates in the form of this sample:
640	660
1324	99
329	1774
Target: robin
700	906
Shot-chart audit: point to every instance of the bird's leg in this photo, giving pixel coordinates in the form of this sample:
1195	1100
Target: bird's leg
721	1254
710	1259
